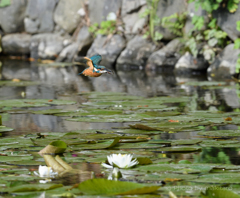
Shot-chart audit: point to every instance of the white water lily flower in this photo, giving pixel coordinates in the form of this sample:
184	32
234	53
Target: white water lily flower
44	171
120	161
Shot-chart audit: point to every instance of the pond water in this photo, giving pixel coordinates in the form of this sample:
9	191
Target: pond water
194	120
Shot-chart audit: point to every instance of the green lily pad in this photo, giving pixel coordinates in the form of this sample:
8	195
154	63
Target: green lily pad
144	161
34	187
221	133
219	193
186	142
109	187
51	111
231	178
33	102
54	147
177	168
180	149
14	158
5	129
18	84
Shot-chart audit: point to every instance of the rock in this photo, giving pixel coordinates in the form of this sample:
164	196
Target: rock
84	37
165	9
225	64
136	53
133	22
11	17
66	14
129	6
188	62
47	45
16	44
99	10
109	48
80	46
227	21
191	10
68	53
39	16
166	56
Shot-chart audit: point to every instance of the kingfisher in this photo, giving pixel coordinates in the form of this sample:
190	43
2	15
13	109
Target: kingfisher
94	69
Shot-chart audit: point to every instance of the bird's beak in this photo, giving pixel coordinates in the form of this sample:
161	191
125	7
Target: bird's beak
109	71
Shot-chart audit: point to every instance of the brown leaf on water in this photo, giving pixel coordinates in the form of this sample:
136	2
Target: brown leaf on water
50	100
228	119
15	80
172	179
173	120
142	127
47	61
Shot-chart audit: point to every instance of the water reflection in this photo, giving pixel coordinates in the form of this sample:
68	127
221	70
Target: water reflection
60	82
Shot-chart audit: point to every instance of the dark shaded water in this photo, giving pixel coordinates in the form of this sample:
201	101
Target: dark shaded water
59	82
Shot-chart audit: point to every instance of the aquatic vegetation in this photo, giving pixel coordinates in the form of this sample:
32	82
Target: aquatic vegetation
187	161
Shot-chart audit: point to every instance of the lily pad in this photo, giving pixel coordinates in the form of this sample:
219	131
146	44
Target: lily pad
231	178
219	193
109	187
5	129
34	187
55	147
221	133
33	102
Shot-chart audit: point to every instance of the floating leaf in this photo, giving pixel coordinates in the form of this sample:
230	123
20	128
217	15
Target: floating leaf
144	161
34	187
55	147
109	187
231	178
220	192
221	133
5	129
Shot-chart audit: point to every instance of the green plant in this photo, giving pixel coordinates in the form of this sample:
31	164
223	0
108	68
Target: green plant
237	46
175	23
211	5
209	39
4	3
105	28
154	20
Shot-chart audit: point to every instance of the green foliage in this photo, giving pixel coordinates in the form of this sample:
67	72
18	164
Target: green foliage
106	27
238	26
232	5
211	5
4	3
154	20
211	38
198	22
175	23
237	46
191	46
238	64
208	5
237	43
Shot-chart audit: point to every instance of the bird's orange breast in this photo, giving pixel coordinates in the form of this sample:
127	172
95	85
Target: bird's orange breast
89	72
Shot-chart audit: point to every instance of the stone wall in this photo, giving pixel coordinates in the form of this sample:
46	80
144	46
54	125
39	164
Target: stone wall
58	30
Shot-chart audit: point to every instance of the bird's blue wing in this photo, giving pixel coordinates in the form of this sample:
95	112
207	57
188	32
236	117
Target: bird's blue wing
96	59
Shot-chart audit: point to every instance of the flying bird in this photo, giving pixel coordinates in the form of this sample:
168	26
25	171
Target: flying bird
94	69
